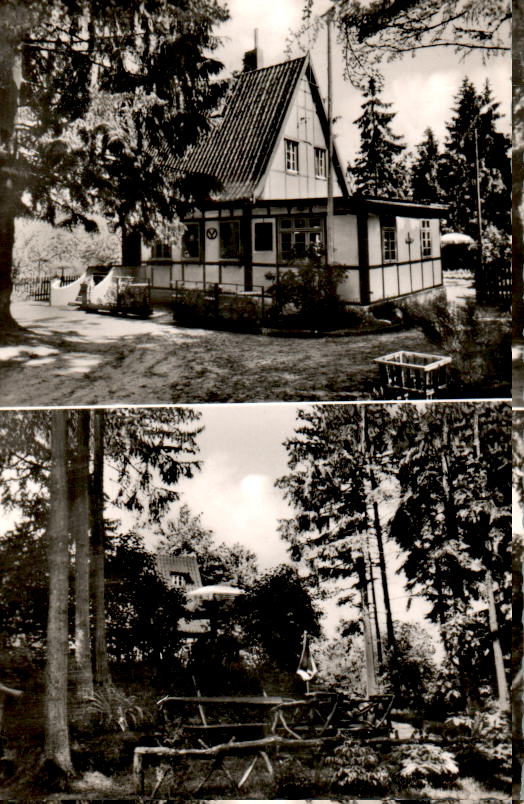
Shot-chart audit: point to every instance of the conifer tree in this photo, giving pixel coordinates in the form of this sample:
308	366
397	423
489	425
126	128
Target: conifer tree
473	142
377	169
425	186
139	76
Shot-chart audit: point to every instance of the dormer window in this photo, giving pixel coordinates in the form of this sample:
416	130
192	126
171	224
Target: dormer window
291	156
177	580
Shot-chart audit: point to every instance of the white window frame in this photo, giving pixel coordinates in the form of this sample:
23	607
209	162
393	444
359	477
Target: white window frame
389	248
291	156
320	163
426	244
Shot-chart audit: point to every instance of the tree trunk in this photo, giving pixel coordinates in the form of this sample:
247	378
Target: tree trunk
369	649
79	527
500	673
131	247
9	178
102	674
518	174
56	749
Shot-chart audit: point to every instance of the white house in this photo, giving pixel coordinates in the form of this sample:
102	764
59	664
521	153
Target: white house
269	154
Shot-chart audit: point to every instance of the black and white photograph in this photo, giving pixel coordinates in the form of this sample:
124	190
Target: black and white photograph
304	200
271	600
261	439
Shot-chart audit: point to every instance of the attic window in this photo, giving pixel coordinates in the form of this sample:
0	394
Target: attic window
177	580
320	163
291	156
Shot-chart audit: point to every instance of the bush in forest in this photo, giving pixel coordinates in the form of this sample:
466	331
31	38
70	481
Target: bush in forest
479	347
482	743
357	768
420	764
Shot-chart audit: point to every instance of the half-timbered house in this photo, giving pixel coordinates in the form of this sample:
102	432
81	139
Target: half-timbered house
270	156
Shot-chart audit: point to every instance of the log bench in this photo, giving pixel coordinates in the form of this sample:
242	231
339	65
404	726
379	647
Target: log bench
148	756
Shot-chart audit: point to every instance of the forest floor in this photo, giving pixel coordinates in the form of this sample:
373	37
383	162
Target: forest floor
65	356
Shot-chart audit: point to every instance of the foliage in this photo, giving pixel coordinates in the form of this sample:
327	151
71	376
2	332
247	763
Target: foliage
496	249
378	170
424	179
274	615
218	563
104	87
412	670
41	249
217	310
424	763
357	769
479	347
341	666
472	140
142	613
307	296
150	451
482	742
112	709
375	32
292	779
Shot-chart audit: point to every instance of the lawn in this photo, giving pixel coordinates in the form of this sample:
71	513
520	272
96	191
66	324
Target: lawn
71	357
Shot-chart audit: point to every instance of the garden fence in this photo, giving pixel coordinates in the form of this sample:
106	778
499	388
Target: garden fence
38	288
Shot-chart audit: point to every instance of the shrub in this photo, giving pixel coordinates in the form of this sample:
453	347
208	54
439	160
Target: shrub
212	308
482	743
111	709
292	779
479	347
308	294
356	768
424	763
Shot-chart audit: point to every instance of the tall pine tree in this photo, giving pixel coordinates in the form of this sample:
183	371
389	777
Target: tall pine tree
473	143
377	170
425	186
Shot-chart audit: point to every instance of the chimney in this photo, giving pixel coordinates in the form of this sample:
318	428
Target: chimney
252	58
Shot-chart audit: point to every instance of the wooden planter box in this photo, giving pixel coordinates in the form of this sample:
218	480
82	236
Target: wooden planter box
413	372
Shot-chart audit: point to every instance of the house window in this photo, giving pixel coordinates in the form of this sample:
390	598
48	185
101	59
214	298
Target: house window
291	156
298	236
229	240
320	163
177	580
389	240
263	236
192	242
425	238
161	251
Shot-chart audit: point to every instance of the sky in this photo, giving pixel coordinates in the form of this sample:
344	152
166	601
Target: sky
243	453
421	89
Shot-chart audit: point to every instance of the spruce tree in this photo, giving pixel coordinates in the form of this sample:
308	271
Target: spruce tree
377	169
425	186
474	143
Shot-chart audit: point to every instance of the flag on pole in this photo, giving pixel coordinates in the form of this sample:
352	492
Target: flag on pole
307	668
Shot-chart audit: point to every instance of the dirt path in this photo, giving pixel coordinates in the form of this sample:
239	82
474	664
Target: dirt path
73	358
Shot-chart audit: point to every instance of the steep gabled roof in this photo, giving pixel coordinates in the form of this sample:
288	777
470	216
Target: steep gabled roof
181	565
238	151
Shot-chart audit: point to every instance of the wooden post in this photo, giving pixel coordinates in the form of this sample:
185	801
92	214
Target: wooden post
363	256
330	203
247	246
